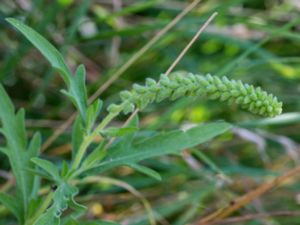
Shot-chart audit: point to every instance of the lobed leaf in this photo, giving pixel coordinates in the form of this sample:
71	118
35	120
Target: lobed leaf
48	218
17	151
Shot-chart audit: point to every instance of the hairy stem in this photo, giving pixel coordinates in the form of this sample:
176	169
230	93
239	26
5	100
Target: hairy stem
90	138
41	209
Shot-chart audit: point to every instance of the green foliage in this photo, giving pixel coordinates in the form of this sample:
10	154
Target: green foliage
99	150
10	203
49	218
49	167
124	152
19	153
76	84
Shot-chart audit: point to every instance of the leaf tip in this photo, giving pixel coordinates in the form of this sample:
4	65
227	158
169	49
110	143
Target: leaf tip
12	21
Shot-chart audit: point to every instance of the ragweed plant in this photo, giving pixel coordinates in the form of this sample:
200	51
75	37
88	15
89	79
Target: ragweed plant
30	207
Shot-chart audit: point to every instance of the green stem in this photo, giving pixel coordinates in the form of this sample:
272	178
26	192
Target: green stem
41	209
89	139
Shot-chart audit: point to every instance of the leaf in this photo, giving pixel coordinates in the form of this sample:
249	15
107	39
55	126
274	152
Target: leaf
78	133
161	144
117	132
40	173
4	150
137	7
11	123
64	169
49	167
95	156
35	145
99	222
21	131
78	89
145	170
34	205
47	49
283	119
70	221
13	129
11	204
5	101
33	151
80	209
92	113
76	84
48	218
64	197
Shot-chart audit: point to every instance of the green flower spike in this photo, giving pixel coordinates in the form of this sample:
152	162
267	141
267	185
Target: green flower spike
176	85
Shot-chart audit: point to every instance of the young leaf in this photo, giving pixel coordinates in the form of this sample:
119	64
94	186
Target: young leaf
63	198
16	149
164	143
48	218
12	205
70	221
145	170
78	89
92	113
21	131
117	132
76	84
47	49
64	169
34	205
78	132
3	150
34	145
49	167
95	156
80	209
99	222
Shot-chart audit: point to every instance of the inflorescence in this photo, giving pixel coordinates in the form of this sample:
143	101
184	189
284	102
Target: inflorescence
174	86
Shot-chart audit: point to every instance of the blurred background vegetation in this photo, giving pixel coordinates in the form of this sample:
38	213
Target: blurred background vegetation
257	41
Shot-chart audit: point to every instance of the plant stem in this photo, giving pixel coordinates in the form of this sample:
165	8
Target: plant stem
89	139
41	209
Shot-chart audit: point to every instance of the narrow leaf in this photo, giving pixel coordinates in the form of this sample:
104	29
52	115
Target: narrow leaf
95	156
47	49
92	113
165	143
78	133
11	204
145	170
35	145
4	150
48	166
117	132
64	169
99	222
